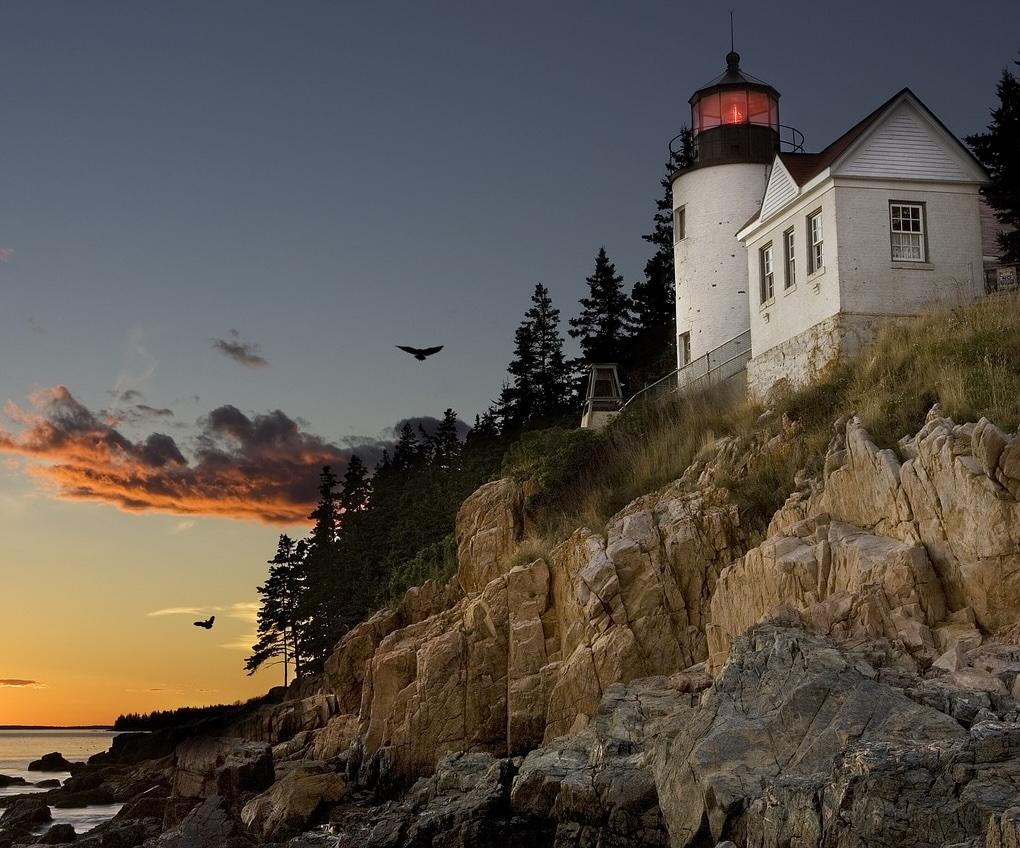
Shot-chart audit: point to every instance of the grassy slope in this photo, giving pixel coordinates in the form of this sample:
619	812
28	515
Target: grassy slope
967	359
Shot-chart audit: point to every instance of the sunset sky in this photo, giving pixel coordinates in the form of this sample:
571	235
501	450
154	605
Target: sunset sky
216	220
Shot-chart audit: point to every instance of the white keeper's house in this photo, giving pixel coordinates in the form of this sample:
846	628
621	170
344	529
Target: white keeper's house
786	260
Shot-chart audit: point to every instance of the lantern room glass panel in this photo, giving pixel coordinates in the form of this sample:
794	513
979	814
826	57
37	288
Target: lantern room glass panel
761	109
734	106
706	113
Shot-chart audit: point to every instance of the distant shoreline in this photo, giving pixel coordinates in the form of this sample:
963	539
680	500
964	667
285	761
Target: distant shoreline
56	727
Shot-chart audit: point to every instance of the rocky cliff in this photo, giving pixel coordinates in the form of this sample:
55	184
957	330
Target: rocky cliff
851	679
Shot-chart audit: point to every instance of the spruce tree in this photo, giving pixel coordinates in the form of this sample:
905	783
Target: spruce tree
356	488
998	150
408	451
601	327
652	341
552	374
517	399
445	443
279	622
324	579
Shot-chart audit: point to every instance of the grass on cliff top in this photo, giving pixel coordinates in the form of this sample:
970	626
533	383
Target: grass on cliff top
967	359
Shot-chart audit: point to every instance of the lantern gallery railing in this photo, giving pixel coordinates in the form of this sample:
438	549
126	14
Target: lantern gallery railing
791	140
722	363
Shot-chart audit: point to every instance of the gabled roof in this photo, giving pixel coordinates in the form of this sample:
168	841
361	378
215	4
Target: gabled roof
804	167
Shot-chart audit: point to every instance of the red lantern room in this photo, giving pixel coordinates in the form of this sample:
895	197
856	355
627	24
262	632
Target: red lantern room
735	118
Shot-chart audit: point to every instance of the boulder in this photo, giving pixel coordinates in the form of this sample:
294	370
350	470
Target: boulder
464	804
51	762
210	824
23	814
7	780
291	804
52	783
213	766
58	834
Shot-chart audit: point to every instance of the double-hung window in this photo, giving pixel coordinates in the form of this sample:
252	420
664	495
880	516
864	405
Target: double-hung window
679	225
906	229
789	260
768	276
814	232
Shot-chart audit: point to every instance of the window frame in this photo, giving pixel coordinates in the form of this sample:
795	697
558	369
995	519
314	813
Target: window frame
767	273
683	343
679	232
789	259
922	233
815	249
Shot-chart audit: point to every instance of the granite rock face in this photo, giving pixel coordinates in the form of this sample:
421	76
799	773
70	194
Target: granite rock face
292	802
527	656
851	680
955	493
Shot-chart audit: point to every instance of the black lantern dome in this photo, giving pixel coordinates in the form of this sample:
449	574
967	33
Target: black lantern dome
735	118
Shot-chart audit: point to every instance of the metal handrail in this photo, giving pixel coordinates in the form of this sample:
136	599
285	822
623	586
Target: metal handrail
793	144
795	141
710	370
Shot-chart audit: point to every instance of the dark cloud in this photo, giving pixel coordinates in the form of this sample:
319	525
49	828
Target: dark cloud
263	467
15	683
128	396
245	353
147	411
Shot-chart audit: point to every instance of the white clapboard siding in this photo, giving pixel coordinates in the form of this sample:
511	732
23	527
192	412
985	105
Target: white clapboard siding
780	190
906	146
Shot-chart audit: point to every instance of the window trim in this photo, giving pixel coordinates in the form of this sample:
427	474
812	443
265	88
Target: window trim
683	343
680	233
789	259
917	204
815	265
767	279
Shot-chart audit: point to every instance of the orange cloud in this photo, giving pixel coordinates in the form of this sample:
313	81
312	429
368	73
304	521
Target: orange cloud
262	467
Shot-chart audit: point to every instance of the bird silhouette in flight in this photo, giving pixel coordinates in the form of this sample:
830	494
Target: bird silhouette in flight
207	624
420	353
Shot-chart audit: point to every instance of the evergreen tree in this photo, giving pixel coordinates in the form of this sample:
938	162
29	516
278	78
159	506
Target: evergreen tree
323	576
652	339
279	623
356	489
445	443
552	374
998	150
601	327
517	400
408	451
540	386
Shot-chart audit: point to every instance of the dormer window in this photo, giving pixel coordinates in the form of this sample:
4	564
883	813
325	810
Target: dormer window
906	224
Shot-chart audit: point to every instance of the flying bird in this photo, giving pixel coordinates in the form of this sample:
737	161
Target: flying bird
207	624
420	353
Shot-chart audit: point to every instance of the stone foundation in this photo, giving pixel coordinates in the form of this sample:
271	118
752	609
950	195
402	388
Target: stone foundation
800	359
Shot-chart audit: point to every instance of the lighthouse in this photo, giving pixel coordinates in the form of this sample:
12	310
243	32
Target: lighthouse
735	137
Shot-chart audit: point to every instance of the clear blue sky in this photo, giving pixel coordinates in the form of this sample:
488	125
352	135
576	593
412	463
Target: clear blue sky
329	179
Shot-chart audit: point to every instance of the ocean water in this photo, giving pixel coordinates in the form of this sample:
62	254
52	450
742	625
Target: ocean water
19	747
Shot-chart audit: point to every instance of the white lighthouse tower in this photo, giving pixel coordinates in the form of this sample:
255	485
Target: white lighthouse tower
735	137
